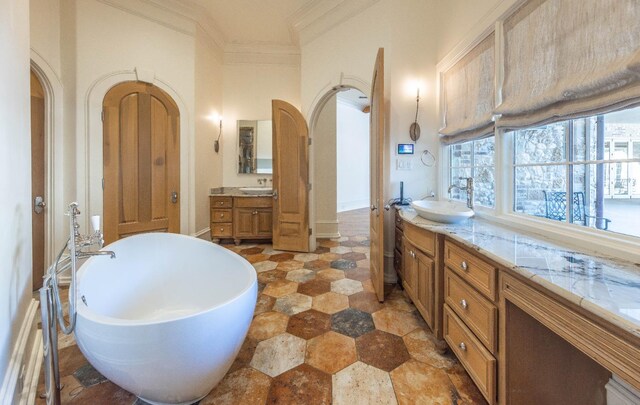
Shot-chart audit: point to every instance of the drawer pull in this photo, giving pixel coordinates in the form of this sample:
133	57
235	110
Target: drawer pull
413	254
221	215
463	304
464	265
254	212
462	346
221	202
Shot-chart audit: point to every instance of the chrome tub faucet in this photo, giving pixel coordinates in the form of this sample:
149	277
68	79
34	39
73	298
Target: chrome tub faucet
468	188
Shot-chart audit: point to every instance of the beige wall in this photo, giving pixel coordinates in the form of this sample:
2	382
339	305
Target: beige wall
352	151
248	91
325	166
15	166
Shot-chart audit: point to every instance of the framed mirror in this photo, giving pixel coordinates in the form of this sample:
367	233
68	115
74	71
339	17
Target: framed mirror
254	147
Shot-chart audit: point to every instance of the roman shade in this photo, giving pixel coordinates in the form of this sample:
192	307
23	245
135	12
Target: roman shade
468	95
569	58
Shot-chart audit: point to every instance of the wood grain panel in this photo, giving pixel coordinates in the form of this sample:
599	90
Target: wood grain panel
474	270
221	202
158	163
224	215
423	239
128	156
253	202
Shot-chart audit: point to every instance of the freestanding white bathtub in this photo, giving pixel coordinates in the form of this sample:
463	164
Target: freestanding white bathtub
166	318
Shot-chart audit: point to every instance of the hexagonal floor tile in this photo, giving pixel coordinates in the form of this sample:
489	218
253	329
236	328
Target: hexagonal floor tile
359	273
267	325
422	346
331	352
329	257
354	256
361	249
367	285
467	389
290	265
365	301
364	263
362	384
397	322
281	257
305	257
293	303
280	288
330	274
271	276
352	322
279	354
316	265
260	257
321	249
314	287
251	251
342	264
245	355
382	350
330	302
301	275
328	243
264	304
340	249
244	386
265	266
346	286
301	385
309	324
398	300
419	383
349	243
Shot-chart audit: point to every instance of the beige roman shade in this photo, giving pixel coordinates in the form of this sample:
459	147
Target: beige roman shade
468	95
569	58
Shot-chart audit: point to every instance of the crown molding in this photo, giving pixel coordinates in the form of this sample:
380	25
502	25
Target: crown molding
318	17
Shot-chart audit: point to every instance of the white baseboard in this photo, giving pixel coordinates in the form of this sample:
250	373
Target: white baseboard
621	393
326	229
352	205
202	232
24	366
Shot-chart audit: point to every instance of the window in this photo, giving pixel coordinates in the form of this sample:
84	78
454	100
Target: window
583	171
474	159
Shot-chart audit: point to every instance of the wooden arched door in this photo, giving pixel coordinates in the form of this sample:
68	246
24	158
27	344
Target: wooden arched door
38	210
141	157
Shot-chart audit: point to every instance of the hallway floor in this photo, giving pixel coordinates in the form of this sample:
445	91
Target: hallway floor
319	336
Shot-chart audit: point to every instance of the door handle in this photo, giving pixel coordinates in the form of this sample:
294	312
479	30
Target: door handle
373	208
275	194
39	205
174	197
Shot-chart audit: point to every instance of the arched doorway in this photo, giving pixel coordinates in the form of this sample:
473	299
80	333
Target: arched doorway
340	129
141	161
38	197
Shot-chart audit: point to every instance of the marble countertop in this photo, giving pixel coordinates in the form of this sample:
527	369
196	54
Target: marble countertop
605	286
235	192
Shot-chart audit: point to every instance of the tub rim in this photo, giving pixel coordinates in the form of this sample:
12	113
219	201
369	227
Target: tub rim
87	313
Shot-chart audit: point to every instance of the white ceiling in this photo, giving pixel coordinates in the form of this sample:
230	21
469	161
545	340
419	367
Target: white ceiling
255	21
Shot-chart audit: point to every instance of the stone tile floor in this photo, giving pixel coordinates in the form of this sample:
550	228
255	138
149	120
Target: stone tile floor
319	336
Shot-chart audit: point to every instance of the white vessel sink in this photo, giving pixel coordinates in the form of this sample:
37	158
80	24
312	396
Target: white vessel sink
447	212
257	190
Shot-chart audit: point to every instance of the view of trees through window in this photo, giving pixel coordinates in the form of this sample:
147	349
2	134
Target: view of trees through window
474	159
593	162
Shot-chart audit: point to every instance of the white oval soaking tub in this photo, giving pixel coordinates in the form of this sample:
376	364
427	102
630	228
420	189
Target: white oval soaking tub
166	318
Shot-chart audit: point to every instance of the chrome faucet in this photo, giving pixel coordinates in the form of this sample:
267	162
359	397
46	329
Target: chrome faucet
263	182
468	188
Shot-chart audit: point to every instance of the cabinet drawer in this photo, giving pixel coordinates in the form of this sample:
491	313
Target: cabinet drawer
221	202
477	312
253	202
221	230
477	360
421	238
472	269
399	222
221	216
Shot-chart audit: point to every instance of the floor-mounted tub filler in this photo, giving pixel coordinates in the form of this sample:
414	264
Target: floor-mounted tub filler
166	318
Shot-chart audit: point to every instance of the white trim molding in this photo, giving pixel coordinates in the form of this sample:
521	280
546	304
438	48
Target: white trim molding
327	229
90	162
21	379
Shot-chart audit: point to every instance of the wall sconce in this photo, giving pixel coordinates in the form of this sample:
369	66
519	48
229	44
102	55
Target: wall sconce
414	129
216	143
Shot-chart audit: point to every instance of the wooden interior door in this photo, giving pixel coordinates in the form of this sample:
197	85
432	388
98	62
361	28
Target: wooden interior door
37	180
141	157
290	178
376	145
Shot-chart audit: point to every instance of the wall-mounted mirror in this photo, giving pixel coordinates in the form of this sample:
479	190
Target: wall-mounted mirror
254	147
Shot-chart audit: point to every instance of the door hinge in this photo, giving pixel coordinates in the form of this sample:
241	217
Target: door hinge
310	141
309	186
310	231
102	115
103	183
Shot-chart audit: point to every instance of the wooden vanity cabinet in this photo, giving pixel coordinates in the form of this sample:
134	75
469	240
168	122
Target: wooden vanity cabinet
421	277
398	252
241	218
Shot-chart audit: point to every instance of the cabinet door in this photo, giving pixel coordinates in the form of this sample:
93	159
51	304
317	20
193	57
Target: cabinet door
410	269
425	292
264	222
243	222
